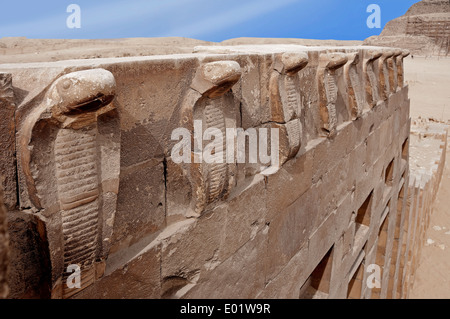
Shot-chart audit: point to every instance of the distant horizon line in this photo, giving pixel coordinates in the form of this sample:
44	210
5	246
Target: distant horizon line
179	37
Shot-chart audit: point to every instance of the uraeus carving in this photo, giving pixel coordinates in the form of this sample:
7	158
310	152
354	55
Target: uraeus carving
285	101
400	68
69	163
384	74
371	83
329	63
393	74
209	109
353	85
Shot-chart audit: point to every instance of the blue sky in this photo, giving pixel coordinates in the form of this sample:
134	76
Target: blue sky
210	20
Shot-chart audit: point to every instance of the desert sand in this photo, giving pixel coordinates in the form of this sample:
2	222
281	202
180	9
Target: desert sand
19	50
431	279
429	83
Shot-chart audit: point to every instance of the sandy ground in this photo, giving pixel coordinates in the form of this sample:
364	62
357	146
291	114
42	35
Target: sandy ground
429	91
429	87
432	276
15	50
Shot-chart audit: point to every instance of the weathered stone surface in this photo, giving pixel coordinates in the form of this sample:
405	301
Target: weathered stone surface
240	276
328	65
246	215
298	169
140	204
371	84
4	250
138	279
7	141
165	228
29	273
250	91
190	249
321	241
207	111
279	287
285	100
69	170
354	87
384	71
289	230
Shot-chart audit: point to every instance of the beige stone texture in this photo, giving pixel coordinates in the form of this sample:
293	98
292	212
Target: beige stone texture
142	224
4	250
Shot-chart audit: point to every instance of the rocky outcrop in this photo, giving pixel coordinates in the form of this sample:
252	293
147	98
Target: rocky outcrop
424	29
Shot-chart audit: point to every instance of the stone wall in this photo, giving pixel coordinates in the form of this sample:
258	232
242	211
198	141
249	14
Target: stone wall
99	188
7	174
4	250
428	154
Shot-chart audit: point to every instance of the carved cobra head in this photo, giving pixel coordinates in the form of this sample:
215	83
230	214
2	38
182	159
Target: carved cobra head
80	94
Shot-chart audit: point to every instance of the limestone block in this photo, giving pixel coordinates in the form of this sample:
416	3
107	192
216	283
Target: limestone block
371	81
320	242
349	237
191	250
400	68
29	273
384	71
252	111
209	107
140	204
358	160
240	276
266	70
395	101
326	77
328	153
397	130
279	287
294	179
216	236
288	231
310	116
289	141
329	198
7	141
246	215
384	133
345	216
393	76
338	260
354	88
68	169
139	278
373	144
4	250
147	116
179	193
285	99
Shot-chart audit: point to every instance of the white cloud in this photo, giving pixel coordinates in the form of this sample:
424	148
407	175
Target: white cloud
153	16
97	17
228	18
